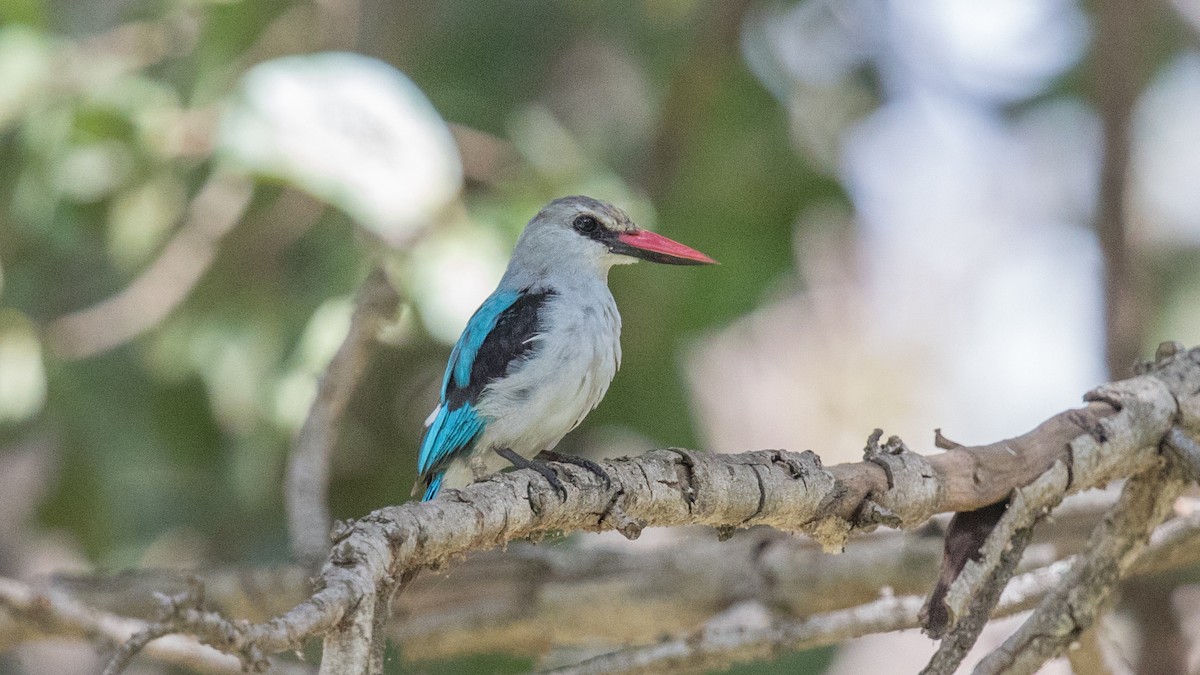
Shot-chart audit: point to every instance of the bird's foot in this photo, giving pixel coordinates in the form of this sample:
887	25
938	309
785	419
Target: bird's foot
520	462
588	464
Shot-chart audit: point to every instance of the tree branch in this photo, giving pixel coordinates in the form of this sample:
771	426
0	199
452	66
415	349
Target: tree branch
529	599
51	613
533	597
976	589
1116	435
148	299
720	643
1074	606
309	521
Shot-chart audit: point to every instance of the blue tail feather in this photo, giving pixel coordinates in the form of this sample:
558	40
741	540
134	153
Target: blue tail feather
451	431
435	484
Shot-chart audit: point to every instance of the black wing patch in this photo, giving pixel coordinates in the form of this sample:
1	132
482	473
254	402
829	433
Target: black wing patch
507	343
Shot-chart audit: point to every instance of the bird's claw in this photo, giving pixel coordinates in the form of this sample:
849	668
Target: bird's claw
546	472
588	464
550	476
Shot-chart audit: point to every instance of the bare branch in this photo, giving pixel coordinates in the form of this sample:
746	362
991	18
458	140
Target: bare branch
309	521
51	613
1073	607
1121	431
529	598
171	606
716	646
148	299
973	595
136	642
1116	435
721	643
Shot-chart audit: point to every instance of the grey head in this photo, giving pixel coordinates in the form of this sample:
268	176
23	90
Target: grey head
581	235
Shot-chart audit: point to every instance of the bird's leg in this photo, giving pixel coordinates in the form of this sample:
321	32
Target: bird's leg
520	462
551	456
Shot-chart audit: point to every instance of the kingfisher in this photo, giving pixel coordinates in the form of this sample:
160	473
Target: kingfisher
539	353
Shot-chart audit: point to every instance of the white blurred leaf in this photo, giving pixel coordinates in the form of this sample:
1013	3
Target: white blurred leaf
352	131
452	272
22	376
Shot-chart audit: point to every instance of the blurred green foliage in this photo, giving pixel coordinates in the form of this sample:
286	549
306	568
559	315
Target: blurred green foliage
176	432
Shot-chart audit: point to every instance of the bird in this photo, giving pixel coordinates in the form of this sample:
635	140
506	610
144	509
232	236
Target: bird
540	352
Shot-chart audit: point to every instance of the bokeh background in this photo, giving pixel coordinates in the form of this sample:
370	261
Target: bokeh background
930	214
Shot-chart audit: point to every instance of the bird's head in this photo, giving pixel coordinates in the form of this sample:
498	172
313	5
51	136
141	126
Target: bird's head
585	229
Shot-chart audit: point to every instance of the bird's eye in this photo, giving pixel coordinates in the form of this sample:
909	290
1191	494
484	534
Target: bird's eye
587	225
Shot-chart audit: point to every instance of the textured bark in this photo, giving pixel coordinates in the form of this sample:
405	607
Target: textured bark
987	577
28	611
1116	435
1063	616
532	598
556	587
741	636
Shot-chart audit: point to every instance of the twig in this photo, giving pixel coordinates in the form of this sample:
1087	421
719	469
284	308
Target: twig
170	607
954	647
50	613
964	607
1073	607
130	648
994	577
714	649
308	466
148	299
717	647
